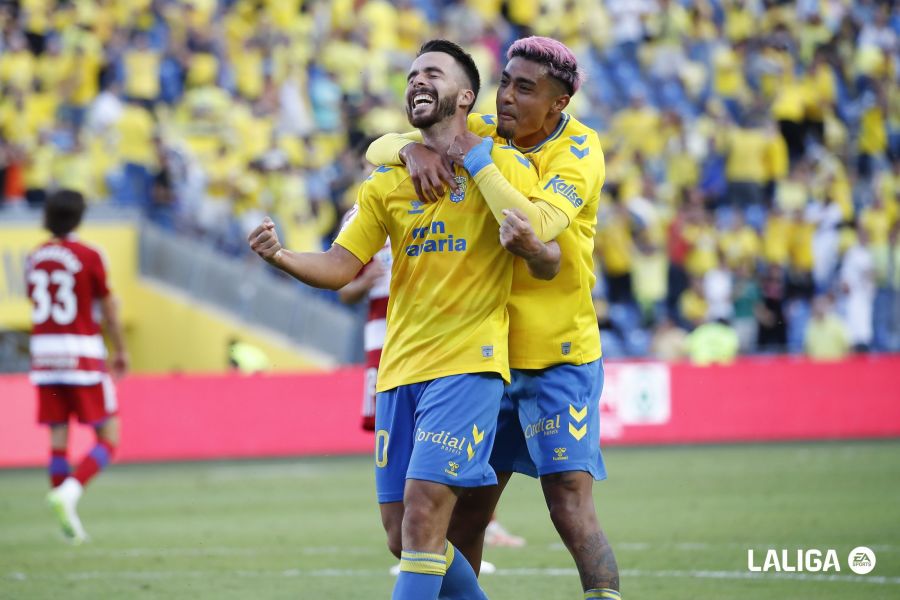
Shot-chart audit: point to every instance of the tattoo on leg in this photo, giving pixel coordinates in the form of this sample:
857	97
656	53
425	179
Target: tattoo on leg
596	562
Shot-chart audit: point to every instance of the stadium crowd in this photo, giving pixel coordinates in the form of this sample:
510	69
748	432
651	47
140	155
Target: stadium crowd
752	146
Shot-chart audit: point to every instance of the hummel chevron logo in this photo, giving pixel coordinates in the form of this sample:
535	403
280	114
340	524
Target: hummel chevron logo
379	169
579	432
580	153
578	415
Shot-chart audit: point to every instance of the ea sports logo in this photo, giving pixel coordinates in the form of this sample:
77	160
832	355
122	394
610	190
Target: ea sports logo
861	560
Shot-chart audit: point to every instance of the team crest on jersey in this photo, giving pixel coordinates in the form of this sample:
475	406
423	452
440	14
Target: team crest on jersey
457	197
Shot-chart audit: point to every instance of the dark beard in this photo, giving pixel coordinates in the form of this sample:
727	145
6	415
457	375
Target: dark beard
446	108
503	132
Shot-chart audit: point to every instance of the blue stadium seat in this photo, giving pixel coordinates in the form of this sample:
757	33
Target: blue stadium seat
613	346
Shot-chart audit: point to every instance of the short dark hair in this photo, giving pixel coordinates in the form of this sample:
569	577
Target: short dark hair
63	211
462	58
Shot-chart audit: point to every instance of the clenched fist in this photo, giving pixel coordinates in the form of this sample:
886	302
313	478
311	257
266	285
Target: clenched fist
264	241
517	235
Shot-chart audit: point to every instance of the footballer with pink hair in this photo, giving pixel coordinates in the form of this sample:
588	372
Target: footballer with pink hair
548	424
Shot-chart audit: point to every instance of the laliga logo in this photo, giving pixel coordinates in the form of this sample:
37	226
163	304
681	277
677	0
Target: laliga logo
861	560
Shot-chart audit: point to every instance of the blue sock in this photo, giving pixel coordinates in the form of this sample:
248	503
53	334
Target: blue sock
460	582
602	594
421	574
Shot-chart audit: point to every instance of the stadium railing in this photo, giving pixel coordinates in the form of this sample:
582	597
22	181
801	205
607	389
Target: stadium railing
245	288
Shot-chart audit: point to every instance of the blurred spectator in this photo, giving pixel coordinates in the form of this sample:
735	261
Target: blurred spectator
692	306
136	130
39	170
649	277
858	289
739	244
669	341
893	291
746	298
789	110
772	329
872	130
162	194
714	342
800	253
615	249
746	166
678	248
718	291
826	337
141	66
758	130
826	216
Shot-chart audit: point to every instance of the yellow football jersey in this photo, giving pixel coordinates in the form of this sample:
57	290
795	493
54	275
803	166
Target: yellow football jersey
553	322
451	278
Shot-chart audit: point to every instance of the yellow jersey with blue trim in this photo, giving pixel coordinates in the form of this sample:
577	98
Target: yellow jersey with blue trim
451	278
553	322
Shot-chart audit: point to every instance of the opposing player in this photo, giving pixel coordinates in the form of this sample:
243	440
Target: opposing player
66	281
373	284
549	419
444	360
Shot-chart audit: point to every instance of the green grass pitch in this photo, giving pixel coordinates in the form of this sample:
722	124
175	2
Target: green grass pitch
680	519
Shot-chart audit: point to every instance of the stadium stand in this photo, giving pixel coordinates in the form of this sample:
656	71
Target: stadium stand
752	147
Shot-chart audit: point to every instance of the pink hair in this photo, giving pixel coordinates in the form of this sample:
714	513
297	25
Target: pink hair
554	55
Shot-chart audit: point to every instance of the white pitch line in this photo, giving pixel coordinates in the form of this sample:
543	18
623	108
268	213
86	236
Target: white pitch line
144	552
370	550
824	577
522	572
224	551
700	546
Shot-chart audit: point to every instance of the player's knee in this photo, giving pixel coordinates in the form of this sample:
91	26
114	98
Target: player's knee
469	521
419	516
566	516
392	521
59	436
108	431
395	542
570	502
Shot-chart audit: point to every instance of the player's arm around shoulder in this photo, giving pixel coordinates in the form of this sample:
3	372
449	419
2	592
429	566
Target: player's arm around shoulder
515	167
428	170
386	150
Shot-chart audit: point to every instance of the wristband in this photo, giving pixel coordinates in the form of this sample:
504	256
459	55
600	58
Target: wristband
479	157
